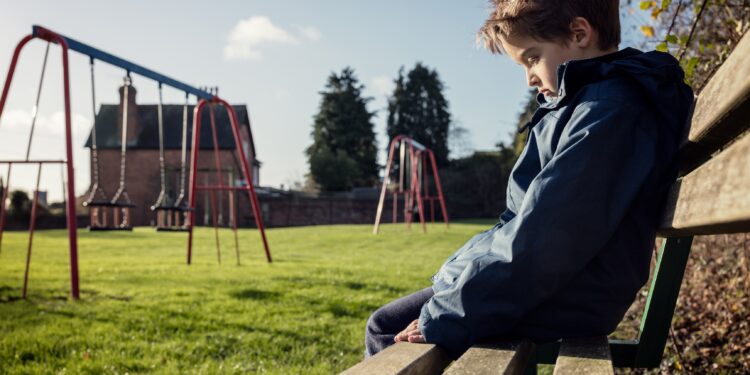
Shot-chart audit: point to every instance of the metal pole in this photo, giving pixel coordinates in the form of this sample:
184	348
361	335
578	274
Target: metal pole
3	209
71	209
216	225
416	164
62	179
12	70
408	197
32	226
401	167
233	214
94	53
197	111
383	190
219	180
248	176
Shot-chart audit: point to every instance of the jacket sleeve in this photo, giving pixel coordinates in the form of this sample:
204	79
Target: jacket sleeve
570	210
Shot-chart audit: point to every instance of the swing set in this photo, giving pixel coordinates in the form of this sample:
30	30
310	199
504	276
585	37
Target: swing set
114	213
413	183
171	216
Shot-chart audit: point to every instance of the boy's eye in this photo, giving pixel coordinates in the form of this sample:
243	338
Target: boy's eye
532	60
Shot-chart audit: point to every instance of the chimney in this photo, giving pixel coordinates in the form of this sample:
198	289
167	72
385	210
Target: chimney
133	119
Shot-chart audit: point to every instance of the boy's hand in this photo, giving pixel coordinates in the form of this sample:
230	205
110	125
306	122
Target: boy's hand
410	334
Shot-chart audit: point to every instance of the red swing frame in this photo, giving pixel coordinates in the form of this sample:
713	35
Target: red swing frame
70	209
417	153
194	187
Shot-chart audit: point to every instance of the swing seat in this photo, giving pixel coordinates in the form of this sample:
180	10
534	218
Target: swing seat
97	224
165	221
97	204
172	208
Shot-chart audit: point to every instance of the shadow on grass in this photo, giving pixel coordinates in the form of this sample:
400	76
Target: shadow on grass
313	282
92	294
255	294
10	294
350	310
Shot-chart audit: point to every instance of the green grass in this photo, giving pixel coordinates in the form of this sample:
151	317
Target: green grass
143	310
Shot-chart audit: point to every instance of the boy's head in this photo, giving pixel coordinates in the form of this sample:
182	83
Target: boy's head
542	34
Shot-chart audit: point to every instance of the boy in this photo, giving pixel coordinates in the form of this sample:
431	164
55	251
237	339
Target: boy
573	247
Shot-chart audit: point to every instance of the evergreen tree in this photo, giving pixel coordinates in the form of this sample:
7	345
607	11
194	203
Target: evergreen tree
20	205
343	153
419	109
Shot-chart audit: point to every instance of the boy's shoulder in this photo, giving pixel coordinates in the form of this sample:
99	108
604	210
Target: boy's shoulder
621	90
635	80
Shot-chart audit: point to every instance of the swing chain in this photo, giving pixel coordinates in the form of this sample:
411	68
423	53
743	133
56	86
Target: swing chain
181	197
35	109
95	188
160	201
127	81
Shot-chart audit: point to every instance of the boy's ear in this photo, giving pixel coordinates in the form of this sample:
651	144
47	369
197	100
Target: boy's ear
582	34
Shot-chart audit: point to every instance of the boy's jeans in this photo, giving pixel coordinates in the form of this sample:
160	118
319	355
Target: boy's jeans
391	319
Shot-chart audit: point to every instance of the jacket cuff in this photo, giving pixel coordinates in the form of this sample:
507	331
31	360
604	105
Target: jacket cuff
445	333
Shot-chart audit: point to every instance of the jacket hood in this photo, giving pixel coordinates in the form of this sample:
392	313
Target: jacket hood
657	75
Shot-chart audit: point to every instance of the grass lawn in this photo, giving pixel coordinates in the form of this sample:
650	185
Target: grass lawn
143	310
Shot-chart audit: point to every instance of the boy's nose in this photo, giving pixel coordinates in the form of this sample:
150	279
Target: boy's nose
532	80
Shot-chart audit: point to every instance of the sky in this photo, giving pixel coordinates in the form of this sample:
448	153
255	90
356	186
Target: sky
273	56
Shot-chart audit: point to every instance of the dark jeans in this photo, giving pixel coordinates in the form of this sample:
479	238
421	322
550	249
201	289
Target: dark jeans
391	319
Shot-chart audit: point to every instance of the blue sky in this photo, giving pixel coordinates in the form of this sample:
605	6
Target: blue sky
273	56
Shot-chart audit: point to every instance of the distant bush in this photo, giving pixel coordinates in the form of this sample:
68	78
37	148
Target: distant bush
475	185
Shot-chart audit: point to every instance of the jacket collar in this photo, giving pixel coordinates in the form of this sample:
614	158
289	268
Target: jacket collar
573	75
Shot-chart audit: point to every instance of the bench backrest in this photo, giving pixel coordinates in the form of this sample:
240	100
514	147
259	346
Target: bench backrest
711	197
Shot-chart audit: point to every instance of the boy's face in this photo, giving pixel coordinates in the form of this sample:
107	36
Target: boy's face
540	59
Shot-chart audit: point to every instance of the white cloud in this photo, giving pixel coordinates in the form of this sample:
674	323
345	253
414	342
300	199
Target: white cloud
47	125
248	35
383	85
311	33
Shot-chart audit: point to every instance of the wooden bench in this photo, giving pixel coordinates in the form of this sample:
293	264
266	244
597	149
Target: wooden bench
712	196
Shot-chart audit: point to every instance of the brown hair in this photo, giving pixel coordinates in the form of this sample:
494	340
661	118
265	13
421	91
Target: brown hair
549	20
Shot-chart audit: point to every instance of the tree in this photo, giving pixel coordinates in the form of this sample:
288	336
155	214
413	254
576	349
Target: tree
418	109
475	185
700	33
344	150
20	205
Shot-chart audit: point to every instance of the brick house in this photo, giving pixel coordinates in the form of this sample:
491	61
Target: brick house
142	177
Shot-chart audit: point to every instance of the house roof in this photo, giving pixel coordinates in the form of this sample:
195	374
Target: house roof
148	127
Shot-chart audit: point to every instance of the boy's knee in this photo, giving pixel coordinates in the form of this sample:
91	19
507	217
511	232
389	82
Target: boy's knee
375	322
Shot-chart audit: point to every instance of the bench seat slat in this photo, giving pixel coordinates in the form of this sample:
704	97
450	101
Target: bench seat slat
493	359
403	359
584	356
715	198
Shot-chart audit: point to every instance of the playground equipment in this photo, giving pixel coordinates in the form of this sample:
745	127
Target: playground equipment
171	215
120	199
412	172
194	187
120	204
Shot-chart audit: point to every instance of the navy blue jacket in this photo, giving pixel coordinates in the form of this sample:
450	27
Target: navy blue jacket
574	245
